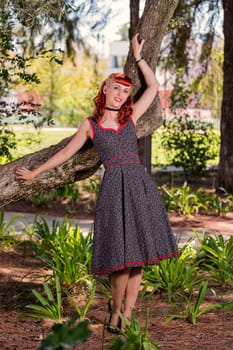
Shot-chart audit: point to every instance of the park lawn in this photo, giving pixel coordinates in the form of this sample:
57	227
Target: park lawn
30	140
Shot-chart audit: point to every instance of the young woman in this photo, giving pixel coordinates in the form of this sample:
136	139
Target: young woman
131	228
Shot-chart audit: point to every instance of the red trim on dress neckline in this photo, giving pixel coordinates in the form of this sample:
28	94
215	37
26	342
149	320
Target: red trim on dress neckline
117	131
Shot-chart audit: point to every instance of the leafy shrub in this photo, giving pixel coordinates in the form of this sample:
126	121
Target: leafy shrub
215	255
64	249
193	309
7	144
192	142
176	276
41	199
66	335
68	191
92	185
181	199
50	306
134	337
221	205
8	235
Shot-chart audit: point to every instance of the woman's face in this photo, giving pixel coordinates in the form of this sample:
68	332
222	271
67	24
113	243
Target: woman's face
116	94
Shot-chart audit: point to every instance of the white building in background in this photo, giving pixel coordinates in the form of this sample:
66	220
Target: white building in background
118	51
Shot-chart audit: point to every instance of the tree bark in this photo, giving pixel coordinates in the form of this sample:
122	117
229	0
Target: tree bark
225	172
152	25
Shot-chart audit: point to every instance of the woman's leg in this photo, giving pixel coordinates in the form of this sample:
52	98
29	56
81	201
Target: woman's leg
132	290
119	281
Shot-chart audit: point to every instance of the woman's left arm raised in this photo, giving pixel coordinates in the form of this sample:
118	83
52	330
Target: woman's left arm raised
152	84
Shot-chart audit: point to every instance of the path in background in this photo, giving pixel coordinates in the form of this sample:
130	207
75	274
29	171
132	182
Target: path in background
183	232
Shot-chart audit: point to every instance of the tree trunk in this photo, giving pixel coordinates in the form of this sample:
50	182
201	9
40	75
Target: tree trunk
225	173
152	25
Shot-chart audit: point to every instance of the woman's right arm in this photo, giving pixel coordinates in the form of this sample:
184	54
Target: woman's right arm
60	157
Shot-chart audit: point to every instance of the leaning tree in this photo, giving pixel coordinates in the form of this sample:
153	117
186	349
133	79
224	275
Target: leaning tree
152	24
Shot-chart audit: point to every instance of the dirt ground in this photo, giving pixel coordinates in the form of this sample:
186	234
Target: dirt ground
19	272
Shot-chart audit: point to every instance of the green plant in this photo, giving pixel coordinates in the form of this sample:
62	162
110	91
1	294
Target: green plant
50	307
182	200
105	289
45	236
67	267
7	230
176	276
82	311
192	310
193	142
66	335
92	185
14	69
220	204
7	144
6	227
135	337
64	249
40	199
215	255
68	191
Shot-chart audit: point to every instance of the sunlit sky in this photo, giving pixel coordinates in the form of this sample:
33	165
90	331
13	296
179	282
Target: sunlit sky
119	17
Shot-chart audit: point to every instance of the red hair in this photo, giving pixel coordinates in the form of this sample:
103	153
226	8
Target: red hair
100	100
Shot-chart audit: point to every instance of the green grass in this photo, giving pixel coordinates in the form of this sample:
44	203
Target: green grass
29	140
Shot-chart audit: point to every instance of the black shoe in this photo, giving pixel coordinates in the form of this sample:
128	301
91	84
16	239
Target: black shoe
113	329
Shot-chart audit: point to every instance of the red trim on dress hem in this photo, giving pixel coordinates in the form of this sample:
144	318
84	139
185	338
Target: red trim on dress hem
136	263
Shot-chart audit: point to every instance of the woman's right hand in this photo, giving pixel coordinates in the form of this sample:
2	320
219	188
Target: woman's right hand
24	174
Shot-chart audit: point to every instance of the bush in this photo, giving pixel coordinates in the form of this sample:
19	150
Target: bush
192	142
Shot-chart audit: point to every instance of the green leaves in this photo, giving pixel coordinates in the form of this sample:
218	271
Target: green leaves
182	200
66	335
215	255
50	307
193	142
176	276
185	202
64	249
82	311
7	231
193	310
134	337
